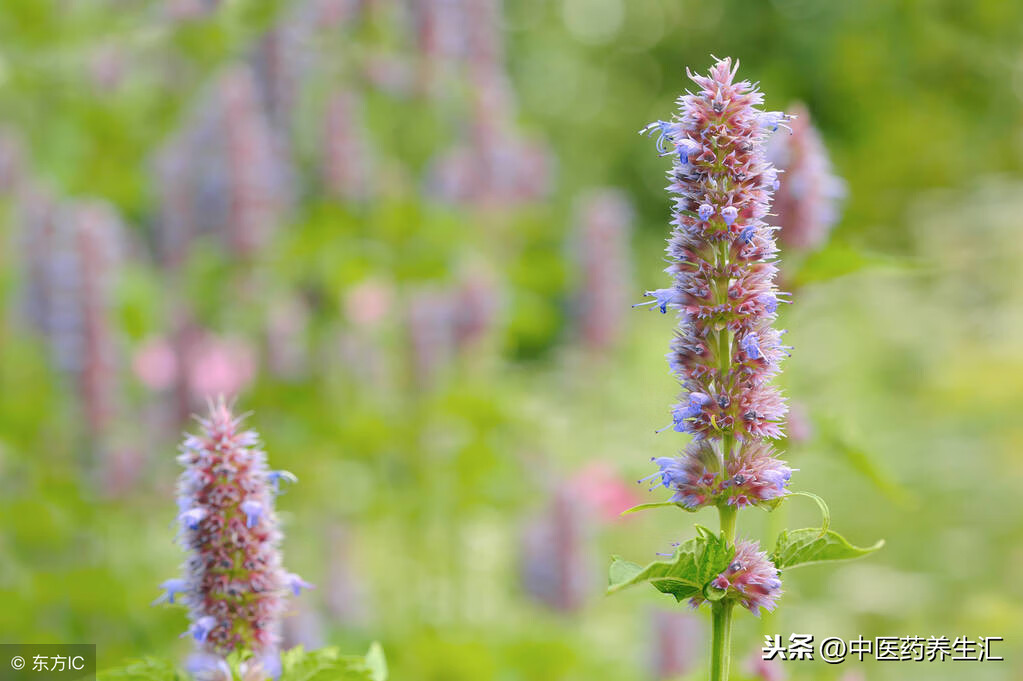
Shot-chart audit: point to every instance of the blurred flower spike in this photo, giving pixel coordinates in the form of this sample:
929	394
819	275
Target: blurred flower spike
234	584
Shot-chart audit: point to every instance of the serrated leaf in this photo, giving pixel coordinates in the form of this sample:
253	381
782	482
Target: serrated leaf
656	504
691	567
797	548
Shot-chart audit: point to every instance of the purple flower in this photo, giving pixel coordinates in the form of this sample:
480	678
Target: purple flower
275	478
662	299
751	477
671	471
750	344
769	302
705	211
751	579
771	120
201	628
664	136
253	511
192	517
296	583
729	213
686	148
171	587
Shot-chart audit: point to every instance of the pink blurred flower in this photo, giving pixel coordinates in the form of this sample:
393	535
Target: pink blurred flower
257	175
189	10
476	306
11	160
286	329
369	302
599	486
155	364
348	159
555	565
220	366
800	426
601	247
107	68
807	202
676	643
765	670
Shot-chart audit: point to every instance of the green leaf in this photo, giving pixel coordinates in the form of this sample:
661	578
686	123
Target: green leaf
839	260
691	567
656	504
825	511
865	464
622	571
797	548
376	662
327	664
146	669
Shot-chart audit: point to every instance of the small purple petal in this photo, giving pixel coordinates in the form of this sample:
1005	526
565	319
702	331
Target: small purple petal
192	517
296	583
253	510
729	214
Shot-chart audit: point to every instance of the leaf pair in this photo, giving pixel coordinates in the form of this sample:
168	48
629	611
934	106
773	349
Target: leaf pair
698	561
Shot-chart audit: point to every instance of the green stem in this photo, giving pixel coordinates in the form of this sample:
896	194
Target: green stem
721	641
728	515
721	644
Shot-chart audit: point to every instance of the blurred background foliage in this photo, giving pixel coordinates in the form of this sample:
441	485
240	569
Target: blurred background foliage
405	233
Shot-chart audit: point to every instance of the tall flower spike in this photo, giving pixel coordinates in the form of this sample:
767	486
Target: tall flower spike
234	585
726	349
721	253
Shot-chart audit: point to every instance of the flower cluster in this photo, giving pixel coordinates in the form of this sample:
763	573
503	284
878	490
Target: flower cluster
751	477
726	350
234	584
751	579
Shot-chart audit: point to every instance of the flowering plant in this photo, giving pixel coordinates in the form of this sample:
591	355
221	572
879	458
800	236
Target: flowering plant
234	584
725	352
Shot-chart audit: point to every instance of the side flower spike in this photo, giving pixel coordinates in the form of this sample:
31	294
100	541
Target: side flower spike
235	586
